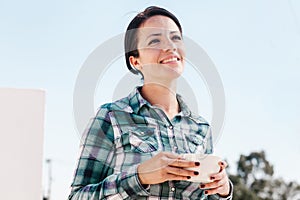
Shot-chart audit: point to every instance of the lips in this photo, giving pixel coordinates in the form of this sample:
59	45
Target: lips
169	59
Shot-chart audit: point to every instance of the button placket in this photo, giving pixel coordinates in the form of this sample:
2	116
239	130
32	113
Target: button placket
172	187
172	138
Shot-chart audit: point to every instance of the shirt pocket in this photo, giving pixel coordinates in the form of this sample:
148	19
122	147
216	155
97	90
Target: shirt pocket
196	142
137	139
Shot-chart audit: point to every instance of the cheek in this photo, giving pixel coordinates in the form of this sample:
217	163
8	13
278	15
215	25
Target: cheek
181	50
149	54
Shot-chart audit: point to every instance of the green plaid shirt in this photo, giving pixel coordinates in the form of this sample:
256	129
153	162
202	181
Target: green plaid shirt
127	132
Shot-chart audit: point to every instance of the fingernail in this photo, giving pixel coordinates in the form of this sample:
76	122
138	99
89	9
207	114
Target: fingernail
222	163
202	186
196	173
188	177
205	192
212	178
197	163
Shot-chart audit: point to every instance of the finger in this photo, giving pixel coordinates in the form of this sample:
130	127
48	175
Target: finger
214	191
218	176
173	177
180	171
223	189
213	185
183	163
222	165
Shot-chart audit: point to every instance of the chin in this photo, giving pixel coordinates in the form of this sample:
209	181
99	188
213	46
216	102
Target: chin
178	71
175	74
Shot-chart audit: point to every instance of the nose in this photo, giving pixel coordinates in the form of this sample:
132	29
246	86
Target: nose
169	45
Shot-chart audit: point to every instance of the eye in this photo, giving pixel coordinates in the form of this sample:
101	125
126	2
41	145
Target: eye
154	41
176	37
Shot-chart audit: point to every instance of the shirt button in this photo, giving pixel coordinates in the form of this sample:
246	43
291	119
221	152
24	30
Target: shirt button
172	189
170	127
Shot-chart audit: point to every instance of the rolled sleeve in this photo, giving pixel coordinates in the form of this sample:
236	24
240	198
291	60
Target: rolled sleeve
131	184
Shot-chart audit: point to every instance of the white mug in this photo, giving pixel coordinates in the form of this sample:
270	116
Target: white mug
208	166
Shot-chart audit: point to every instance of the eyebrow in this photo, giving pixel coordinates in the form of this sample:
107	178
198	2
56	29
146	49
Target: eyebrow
159	34
172	32
154	34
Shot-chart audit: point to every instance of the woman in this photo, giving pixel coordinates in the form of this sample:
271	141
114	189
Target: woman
132	149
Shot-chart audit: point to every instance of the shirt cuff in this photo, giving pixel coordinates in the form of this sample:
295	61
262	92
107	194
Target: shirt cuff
131	184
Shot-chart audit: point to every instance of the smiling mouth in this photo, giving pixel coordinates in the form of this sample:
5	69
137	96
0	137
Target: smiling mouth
175	59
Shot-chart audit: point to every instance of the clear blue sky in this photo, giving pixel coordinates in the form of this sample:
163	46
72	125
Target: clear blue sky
254	44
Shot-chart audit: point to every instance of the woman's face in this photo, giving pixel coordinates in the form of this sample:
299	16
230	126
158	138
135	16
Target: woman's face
161	50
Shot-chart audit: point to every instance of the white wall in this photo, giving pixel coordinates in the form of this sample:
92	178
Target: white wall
21	148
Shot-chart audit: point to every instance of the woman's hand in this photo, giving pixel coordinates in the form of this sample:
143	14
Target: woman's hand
220	184
165	166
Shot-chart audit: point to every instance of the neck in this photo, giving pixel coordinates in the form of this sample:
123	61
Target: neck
162	96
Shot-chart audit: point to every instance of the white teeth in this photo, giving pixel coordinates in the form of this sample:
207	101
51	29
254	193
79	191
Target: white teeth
170	60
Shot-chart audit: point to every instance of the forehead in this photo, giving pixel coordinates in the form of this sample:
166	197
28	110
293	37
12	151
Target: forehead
158	23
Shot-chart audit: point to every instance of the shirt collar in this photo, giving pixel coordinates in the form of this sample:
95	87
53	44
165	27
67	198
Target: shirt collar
185	111
137	101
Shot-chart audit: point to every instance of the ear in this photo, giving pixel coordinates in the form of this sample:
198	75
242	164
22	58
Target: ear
135	62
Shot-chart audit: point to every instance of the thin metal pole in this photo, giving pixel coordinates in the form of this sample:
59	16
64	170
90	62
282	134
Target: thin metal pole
48	161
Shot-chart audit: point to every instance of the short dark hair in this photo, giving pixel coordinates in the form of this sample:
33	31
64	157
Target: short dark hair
130	42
